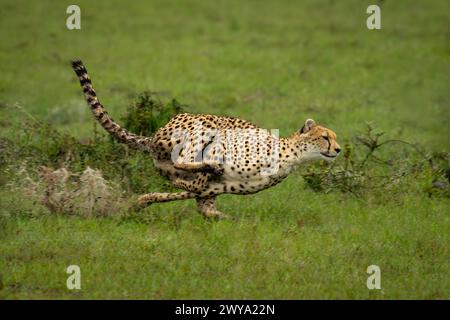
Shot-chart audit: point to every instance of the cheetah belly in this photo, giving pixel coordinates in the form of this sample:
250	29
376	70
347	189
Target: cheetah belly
246	182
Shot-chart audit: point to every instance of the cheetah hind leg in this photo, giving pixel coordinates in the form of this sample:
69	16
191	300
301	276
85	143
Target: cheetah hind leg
207	207
200	167
149	198
198	184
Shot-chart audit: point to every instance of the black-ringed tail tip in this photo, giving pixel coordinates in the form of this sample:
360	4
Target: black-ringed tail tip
78	67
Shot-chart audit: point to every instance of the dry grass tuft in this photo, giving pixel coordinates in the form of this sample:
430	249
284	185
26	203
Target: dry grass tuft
86	194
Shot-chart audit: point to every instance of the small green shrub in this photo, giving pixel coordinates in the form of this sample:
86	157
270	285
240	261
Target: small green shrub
347	177
148	113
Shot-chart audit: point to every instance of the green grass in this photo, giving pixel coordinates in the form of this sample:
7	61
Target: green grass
312	252
275	63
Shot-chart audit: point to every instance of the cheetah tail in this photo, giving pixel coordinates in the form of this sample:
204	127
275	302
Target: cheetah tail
99	112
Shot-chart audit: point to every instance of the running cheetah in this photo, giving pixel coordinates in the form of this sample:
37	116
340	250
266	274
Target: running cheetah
208	155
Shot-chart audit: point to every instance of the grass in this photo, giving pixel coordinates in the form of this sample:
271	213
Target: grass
275	63
313	253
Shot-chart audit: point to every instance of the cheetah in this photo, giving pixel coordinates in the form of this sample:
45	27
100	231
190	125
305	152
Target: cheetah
208	155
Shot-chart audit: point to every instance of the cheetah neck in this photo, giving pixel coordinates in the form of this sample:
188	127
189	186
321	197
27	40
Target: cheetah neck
294	151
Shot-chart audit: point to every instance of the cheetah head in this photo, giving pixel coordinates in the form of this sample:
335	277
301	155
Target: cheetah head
318	142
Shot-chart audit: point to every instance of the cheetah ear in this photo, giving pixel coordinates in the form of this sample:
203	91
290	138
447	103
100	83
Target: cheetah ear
309	124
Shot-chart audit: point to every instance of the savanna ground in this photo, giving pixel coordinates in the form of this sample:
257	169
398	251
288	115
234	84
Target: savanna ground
275	63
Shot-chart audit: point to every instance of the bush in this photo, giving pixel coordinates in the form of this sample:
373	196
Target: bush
147	114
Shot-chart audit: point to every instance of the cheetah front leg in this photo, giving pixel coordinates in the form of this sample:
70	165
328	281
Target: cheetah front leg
207	207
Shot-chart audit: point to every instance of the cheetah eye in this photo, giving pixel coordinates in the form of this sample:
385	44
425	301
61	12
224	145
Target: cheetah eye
326	138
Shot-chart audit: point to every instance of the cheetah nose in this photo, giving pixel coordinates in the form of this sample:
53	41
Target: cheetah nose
337	150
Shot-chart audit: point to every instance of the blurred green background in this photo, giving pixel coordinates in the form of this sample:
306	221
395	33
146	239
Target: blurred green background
273	62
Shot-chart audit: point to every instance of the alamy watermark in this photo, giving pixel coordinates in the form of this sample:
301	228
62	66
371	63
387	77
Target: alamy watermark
374	280
374	20
74	280
73	21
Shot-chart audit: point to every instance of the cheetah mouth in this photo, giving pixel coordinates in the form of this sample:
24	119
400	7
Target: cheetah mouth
330	156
